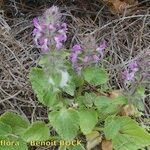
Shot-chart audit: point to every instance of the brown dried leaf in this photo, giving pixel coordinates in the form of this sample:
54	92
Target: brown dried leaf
128	110
93	139
114	94
118	6
107	145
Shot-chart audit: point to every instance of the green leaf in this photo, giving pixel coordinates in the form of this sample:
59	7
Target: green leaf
5	129
86	100
77	80
42	87
56	77
95	75
89	99
38	131
88	74
12	143
51	100
62	147
141	90
111	128
66	123
76	147
44	60
128	136
88	120
17	123
107	106
70	88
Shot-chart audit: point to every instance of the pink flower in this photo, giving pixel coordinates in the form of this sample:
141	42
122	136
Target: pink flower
101	46
73	57
64	27
44	46
36	24
59	45
133	66
129	76
78	68
86	59
130	73
77	48
60	38
51	27
96	58
48	28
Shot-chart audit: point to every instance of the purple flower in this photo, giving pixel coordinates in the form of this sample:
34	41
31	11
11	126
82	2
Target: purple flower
86	59
77	48
44	46
129	76
54	10
101	46
64	27
78	69
36	24
133	66
59	45
49	32
130	73
51	27
73	57
82	56
96	58
60	38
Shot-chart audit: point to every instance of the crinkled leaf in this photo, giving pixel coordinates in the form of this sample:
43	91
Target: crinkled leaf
77	80
111	128
88	120
5	129
66	123
44	60
89	99
38	131
141	90
70	88
88	74
62	147
51	100
42	87
129	136
18	144
107	106
86	100
76	147
17	123
95	75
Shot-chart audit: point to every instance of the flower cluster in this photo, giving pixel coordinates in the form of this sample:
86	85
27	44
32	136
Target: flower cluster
130	72
49	32
82	56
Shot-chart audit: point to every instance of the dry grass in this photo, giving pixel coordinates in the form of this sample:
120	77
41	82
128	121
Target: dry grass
128	37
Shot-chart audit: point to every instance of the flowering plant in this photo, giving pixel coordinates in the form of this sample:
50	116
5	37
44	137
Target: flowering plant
69	83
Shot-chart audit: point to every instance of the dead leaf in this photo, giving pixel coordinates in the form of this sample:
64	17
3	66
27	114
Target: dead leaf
107	145
118	6
114	94
128	110
93	139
